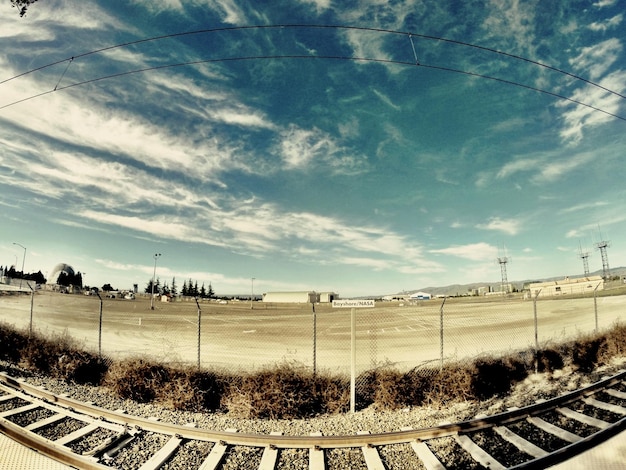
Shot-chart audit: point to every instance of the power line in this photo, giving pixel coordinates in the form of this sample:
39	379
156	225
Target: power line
347	58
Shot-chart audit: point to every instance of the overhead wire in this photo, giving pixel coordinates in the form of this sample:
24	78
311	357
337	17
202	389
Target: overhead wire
410	35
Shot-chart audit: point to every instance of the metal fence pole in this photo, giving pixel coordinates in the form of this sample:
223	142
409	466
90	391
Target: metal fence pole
595	305
352	360
314	340
199	329
536	332
441	332
100	328
32	299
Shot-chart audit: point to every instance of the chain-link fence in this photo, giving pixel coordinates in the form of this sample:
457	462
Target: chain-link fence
249	336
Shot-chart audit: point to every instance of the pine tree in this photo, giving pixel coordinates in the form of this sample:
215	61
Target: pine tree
185	291
203	292
210	293
173	290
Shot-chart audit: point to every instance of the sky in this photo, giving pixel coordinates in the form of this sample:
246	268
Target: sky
361	147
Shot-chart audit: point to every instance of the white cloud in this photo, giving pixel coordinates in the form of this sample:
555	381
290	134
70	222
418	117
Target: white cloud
577	117
472	251
608	24
604	3
228	10
585	206
302	148
520	165
508	226
597	59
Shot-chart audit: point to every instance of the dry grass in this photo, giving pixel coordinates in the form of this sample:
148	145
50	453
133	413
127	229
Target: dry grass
290	389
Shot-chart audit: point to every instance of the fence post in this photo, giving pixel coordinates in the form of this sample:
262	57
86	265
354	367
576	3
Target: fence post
595	305
200	328
441	333
32	298
100	328
314	340
352	360
536	332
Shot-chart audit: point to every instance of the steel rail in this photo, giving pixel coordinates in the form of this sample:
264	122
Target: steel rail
325	442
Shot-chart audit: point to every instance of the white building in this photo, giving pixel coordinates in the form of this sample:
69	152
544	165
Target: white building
581	285
420	296
299	297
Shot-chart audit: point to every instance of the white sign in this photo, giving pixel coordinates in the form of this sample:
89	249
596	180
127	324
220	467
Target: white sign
354	303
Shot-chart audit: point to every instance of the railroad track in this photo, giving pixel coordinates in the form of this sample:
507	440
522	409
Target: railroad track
88	437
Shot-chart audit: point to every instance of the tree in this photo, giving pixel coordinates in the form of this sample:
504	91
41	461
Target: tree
22	5
173	289
203	292
210	293
157	286
185	290
107	288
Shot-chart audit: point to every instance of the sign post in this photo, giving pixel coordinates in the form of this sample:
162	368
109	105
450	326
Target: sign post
353	305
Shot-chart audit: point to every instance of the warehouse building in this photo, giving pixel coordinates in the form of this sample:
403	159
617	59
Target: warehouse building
303	297
567	286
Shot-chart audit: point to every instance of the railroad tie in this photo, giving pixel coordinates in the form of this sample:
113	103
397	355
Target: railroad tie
430	461
617	409
583	418
477	453
554	430
519	442
157	460
270	455
214	459
316	456
372	457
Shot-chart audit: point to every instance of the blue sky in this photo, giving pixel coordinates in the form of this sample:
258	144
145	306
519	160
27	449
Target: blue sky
312	172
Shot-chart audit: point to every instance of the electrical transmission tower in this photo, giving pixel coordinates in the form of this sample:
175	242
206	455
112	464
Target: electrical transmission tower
585	257
504	286
602	246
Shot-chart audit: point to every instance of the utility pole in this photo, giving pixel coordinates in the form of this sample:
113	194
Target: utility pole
23	259
156	255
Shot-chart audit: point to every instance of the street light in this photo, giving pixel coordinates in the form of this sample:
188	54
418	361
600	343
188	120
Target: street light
23	259
156	255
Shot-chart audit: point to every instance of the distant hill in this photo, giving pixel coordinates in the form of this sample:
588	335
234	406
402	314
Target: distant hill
459	289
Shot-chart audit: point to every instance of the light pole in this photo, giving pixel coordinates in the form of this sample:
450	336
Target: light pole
252	294
23	259
156	255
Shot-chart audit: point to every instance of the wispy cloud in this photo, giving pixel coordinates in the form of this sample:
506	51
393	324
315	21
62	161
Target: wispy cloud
585	206
473	251
607	24
508	226
303	148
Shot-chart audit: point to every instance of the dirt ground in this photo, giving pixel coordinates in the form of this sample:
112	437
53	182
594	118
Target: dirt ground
244	336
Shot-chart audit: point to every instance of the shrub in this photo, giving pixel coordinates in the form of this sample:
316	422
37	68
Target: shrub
286	391
137	379
448	384
615	343
494	376
81	367
192	390
549	360
11	343
586	352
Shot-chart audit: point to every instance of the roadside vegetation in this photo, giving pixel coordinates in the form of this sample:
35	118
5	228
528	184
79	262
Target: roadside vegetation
292	390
